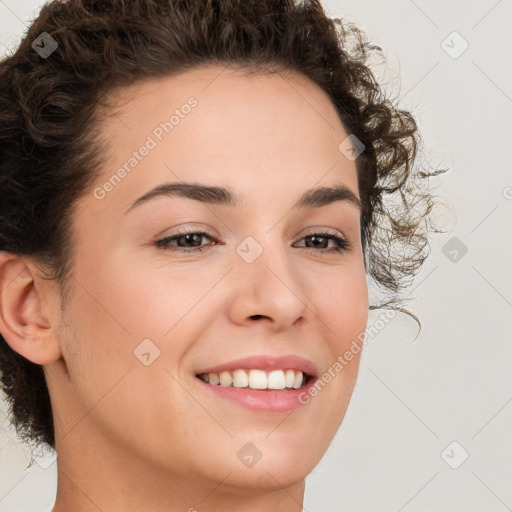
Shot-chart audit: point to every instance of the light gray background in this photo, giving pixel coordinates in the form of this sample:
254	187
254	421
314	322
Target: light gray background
454	383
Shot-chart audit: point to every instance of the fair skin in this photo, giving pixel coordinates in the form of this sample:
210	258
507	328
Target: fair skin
131	437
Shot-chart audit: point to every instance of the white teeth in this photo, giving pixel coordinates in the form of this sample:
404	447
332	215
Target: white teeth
297	383
256	379
225	379
240	379
213	378
290	377
276	380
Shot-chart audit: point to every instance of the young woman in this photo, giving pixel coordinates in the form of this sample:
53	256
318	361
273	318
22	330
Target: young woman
192	197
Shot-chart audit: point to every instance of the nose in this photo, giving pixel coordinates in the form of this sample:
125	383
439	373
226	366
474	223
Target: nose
268	290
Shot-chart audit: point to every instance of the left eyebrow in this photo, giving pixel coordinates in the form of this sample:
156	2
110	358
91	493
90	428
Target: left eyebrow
314	198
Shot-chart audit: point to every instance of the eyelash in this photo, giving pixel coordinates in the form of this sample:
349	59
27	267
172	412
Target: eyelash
342	243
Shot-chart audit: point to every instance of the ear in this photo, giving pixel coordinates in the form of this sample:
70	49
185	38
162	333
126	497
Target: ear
24	311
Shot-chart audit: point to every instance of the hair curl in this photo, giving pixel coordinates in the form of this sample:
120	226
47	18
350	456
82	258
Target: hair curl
49	107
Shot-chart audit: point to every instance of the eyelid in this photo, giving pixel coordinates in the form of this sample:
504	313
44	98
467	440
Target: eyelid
342	243
312	230
189	228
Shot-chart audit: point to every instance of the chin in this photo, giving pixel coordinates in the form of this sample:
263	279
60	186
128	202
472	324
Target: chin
267	461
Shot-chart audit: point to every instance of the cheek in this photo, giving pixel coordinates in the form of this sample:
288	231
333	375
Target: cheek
340	300
341	304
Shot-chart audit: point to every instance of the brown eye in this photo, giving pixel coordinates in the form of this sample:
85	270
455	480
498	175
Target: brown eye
342	244
190	242
187	238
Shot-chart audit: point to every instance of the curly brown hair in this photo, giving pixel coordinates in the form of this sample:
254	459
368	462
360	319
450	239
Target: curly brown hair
49	107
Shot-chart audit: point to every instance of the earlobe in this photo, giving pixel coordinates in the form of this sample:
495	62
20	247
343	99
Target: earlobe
23	322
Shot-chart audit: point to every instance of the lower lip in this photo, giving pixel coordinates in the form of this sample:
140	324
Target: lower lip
263	400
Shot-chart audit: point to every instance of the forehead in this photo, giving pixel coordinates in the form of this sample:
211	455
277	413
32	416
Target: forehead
280	108
274	130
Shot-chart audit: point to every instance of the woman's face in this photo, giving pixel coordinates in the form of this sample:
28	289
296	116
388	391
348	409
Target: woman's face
143	319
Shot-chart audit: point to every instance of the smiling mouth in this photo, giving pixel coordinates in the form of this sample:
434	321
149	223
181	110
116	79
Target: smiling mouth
256	379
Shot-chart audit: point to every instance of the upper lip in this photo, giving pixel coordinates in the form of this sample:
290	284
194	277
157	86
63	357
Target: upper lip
265	362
